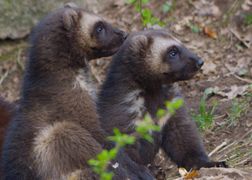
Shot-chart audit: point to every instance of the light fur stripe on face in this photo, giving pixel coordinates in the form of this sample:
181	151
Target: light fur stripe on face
87	24
159	46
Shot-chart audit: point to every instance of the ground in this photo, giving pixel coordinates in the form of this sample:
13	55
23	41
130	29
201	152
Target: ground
216	31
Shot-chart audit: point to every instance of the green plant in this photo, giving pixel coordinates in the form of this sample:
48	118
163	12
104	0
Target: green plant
166	7
248	19
238	109
194	27
143	128
235	112
146	14
205	116
100	164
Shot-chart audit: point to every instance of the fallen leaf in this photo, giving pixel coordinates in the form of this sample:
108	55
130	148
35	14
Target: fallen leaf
210	32
182	171
209	67
246	5
207	8
188	175
245	39
231	92
192	174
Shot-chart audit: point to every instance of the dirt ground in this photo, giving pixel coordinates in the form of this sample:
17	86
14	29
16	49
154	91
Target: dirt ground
224	42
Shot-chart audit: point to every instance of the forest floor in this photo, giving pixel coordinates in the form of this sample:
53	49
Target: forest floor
219	33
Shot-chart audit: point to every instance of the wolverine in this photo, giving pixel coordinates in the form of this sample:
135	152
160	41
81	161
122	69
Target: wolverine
141	77
55	129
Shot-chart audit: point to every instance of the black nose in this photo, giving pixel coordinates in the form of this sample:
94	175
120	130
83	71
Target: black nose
125	35
121	33
200	63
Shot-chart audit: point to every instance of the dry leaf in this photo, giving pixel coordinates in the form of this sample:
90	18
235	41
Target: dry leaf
245	39
188	175
182	171
209	67
192	174
210	32
246	5
207	8
231	92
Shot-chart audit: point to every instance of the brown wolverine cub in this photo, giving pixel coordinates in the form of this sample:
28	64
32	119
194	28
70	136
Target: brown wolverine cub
141	77
55	129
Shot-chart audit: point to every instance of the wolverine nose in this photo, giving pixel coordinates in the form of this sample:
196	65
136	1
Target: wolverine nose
125	35
200	63
121	33
197	61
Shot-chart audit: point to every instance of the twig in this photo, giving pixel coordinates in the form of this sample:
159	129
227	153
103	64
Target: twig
247	133
220	116
238	37
20	65
231	144
3	77
243	161
242	79
217	148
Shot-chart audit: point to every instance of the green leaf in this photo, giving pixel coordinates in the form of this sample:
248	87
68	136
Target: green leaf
146	13
106	176
177	103
104	155
166	7
145	1
242	72
194	28
248	19
112	153
93	162
148	137
161	113
130	1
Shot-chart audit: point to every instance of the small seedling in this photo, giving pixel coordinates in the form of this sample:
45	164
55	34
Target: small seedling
146	14
237	110
205	117
166	7
248	19
194	28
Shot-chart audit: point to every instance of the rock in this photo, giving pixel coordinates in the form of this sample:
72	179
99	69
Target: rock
223	174
18	17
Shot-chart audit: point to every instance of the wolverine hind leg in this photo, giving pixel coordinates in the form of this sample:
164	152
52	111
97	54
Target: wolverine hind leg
63	148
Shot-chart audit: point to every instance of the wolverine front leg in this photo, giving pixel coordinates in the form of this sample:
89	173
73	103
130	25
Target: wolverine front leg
143	151
183	144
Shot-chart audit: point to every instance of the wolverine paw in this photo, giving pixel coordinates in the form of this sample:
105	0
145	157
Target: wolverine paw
222	164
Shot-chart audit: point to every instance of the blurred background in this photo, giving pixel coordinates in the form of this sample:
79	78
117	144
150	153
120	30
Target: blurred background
220	31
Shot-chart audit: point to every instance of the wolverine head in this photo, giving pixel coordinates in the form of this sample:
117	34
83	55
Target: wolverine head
155	55
90	33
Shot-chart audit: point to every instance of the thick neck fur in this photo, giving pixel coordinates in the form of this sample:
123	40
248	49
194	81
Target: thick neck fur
56	79
52	61
123	100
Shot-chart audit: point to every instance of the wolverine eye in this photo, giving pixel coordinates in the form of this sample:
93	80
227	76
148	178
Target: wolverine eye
99	28
173	52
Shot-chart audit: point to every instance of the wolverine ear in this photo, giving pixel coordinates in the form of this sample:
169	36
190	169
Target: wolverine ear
140	44
70	17
70	5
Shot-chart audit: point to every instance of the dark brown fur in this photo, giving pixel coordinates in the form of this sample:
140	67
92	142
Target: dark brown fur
141	70
56	128
6	112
